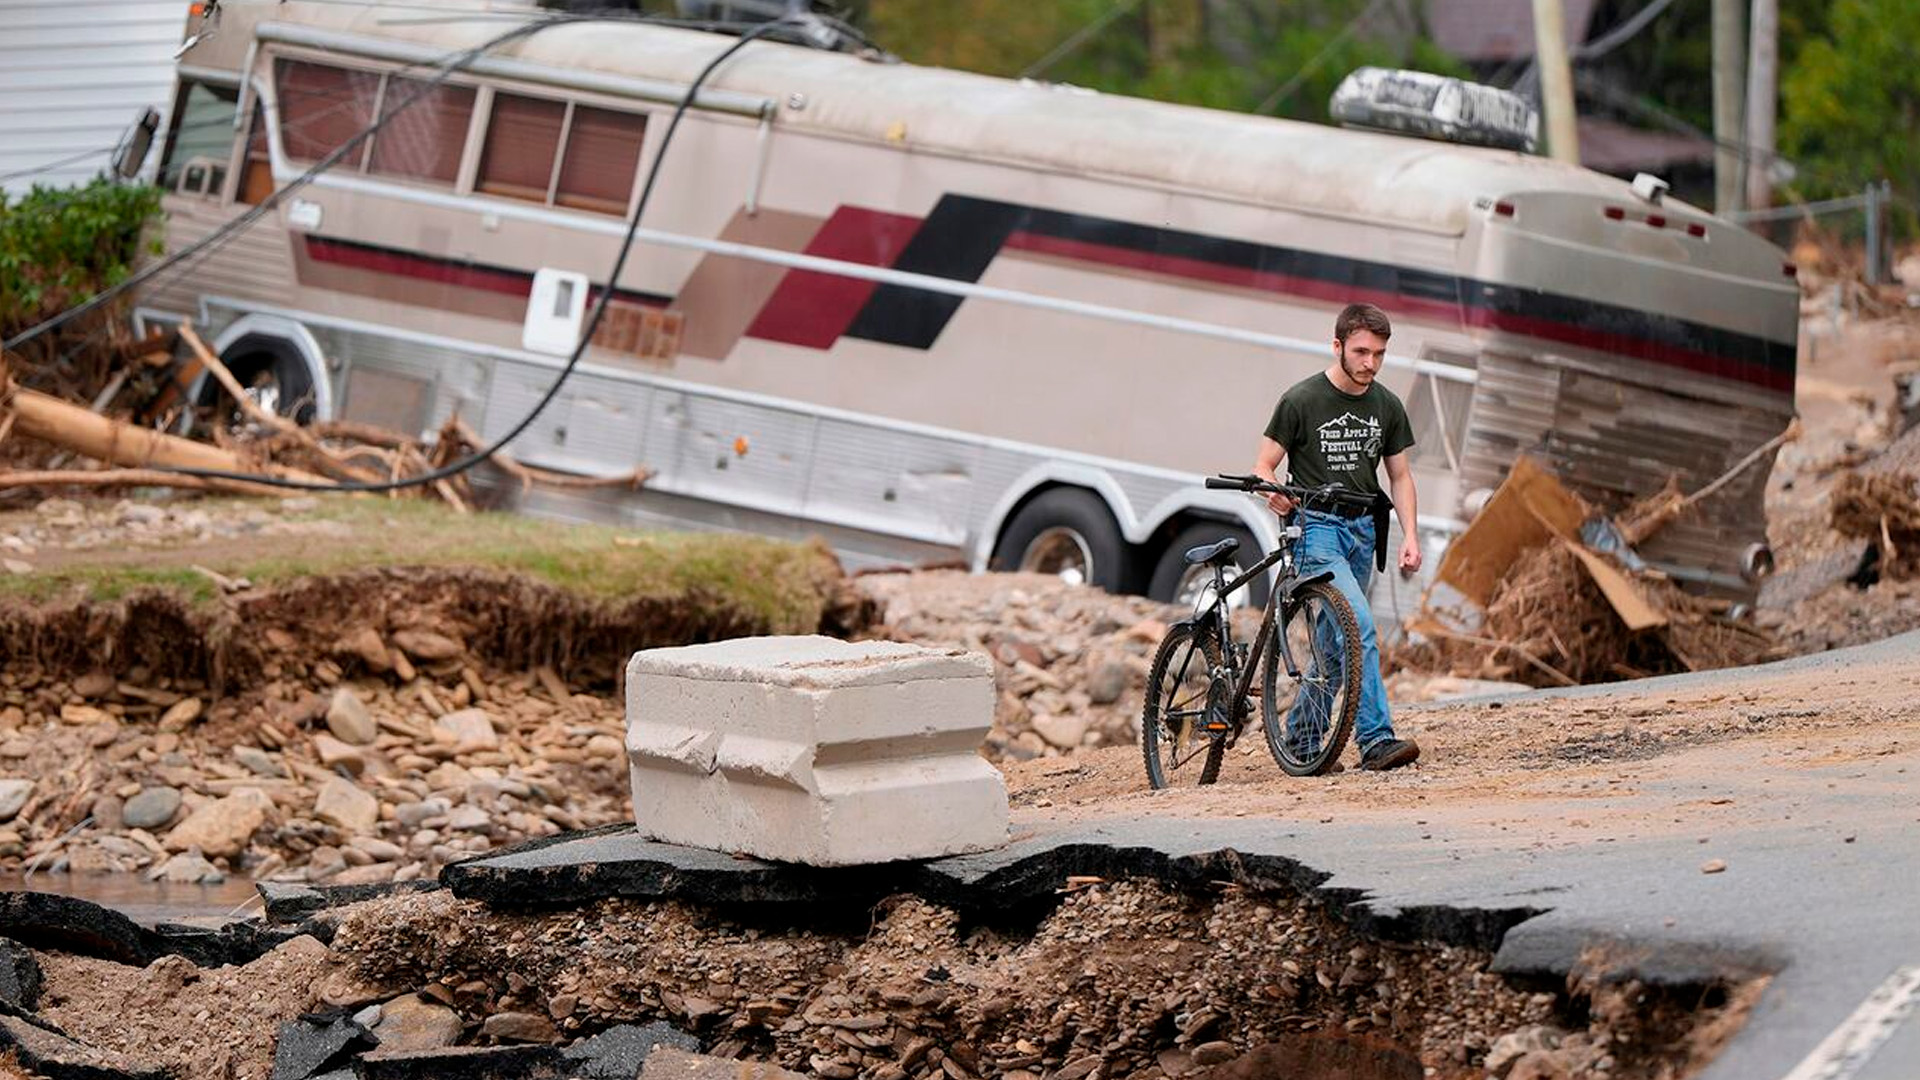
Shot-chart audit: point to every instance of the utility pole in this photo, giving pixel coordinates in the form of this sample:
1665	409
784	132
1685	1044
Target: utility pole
1763	99
1556	80
1729	81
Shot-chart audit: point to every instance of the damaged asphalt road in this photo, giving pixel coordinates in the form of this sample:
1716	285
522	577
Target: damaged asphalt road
1791	856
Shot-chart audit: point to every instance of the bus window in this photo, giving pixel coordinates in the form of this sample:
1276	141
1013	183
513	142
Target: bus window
425	141
602	156
200	134
523	138
322	107
256	170
561	153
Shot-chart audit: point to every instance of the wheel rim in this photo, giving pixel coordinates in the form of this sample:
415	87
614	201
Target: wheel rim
1062	553
1318	697
1179	712
1195	581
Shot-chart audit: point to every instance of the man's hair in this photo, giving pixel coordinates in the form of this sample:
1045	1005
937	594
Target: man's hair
1361	317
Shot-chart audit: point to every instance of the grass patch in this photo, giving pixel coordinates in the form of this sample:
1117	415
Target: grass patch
777	583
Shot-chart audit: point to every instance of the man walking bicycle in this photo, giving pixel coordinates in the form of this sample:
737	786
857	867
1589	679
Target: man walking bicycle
1337	427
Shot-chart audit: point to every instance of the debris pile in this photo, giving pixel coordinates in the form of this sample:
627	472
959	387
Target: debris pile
1884	509
1070	662
370	782
123	439
1558	596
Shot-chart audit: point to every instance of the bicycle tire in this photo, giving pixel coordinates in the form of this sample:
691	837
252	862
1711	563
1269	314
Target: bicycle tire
1322	739
1183	644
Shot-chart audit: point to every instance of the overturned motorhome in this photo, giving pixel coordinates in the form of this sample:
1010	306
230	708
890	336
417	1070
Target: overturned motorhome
928	313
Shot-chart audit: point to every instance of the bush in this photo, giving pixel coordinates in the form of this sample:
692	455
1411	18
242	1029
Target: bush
59	246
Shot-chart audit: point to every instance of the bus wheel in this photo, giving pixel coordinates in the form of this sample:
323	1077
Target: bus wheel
1066	532
277	381
1174	582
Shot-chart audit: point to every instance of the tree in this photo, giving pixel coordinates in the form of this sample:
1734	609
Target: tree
1850	103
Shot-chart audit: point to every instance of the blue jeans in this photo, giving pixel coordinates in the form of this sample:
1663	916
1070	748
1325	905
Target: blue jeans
1344	546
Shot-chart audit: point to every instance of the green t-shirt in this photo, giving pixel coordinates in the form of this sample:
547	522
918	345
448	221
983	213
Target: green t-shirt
1334	437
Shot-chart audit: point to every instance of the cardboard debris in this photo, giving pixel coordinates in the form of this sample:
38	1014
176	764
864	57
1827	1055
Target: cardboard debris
1530	508
1552	609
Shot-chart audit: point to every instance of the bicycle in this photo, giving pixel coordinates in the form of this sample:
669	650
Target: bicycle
1201	678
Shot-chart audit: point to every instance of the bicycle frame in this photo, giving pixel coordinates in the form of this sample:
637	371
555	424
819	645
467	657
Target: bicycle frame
1282	594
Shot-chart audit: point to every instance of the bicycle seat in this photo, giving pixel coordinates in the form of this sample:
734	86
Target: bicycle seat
1220	551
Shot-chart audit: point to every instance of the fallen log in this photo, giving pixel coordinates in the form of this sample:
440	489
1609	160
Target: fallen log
75	428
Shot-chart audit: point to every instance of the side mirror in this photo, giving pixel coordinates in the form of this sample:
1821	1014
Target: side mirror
131	154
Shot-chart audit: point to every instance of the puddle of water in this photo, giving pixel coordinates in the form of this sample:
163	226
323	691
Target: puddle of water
147	902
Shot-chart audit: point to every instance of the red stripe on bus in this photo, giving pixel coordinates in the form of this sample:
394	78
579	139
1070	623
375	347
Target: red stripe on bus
812	309
1552	330
1223	274
382	261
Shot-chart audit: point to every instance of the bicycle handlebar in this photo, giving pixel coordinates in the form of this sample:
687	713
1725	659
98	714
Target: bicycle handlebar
1330	493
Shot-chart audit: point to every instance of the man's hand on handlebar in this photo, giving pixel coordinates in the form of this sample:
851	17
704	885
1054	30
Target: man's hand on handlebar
1280	504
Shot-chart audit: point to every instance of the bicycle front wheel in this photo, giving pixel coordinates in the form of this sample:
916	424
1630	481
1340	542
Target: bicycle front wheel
1309	716
1174	738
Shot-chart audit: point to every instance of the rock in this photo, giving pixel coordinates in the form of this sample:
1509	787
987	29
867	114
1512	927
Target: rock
1713	866
468	729
606	748
94	684
1108	682
17	566
308	1046
13	796
669	1063
258	761
468	819
1065	732
618	1052
187	868
365	646
379	850
336	754
344	804
19	976
151	809
1213	1053
519	1027
1508	1049
412	1023
83	715
48	1053
221	828
349	720
412	814
1322	1055
180	714
427	645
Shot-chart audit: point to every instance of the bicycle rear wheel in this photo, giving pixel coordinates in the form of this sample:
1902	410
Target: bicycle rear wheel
1174	740
1310	717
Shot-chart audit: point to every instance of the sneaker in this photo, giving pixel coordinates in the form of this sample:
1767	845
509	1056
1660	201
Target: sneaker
1390	754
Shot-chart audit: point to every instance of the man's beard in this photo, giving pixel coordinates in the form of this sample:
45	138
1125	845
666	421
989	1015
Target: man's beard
1350	372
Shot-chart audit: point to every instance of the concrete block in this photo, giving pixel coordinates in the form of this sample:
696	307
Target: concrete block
814	750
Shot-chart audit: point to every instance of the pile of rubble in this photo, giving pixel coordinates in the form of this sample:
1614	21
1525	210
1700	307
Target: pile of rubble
1070	663
369	781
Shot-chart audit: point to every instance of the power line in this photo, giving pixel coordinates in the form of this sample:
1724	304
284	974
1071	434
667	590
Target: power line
53	166
182	259
454	468
1079	37
1285	90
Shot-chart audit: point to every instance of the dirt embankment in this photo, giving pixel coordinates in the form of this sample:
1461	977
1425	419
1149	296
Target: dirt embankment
1121	979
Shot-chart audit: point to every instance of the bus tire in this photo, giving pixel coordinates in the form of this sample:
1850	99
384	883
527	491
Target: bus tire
273	366
1068	532
1172	575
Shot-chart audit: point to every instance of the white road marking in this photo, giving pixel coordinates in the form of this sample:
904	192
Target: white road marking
1843	1053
